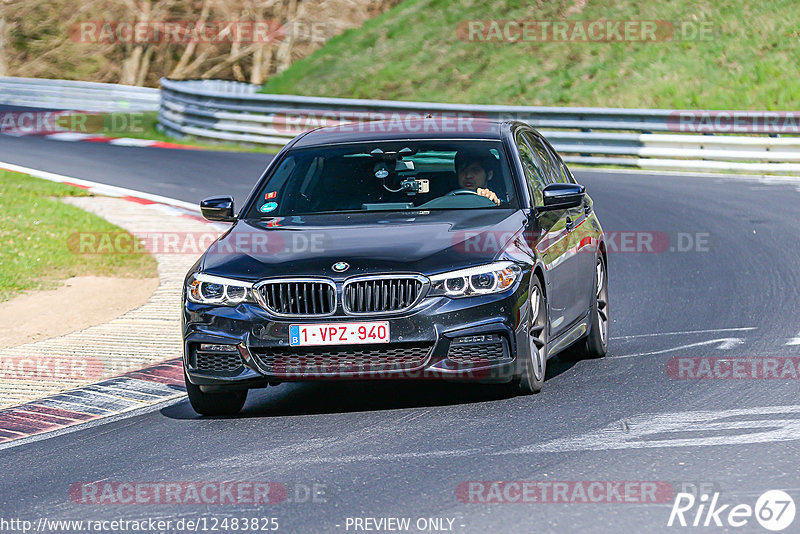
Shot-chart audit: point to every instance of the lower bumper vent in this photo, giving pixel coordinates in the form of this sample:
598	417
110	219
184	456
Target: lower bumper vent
217	361
342	361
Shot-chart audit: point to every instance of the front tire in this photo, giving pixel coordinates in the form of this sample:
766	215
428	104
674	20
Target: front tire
597	340
595	343
226	403
532	378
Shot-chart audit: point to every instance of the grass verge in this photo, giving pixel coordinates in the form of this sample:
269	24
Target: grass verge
35	229
748	59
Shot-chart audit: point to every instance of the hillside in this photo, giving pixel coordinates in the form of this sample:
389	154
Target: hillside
419	50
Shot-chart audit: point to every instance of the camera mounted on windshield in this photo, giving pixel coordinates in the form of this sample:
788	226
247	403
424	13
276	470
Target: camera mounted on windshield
391	167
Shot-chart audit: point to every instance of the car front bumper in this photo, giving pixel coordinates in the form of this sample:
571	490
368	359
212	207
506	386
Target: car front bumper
479	338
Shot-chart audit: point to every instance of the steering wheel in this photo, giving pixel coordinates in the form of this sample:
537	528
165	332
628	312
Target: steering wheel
451	200
459	192
456	192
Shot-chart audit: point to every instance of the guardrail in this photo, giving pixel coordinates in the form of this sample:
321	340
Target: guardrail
83	96
235	112
219	110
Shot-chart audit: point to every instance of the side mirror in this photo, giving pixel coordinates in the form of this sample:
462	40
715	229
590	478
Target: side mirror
562	196
218	209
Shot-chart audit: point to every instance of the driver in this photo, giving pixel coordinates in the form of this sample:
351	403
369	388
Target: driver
474	173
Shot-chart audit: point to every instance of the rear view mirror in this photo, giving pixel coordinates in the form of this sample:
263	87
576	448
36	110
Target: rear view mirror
218	209
562	196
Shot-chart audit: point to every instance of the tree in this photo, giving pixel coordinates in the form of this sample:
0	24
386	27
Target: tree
46	39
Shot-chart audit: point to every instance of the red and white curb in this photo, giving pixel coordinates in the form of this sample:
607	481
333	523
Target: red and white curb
168	205
112	398
119	141
125	394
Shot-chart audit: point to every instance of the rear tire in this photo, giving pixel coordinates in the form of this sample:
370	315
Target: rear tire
532	378
225	403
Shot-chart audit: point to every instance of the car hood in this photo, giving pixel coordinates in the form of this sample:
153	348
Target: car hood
426	242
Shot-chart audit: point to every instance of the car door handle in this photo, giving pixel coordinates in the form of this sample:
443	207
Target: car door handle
568	226
587	210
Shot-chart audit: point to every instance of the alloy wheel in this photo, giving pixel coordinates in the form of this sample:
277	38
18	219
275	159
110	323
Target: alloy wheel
536	332
602	301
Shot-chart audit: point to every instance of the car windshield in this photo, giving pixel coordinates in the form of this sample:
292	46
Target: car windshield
381	176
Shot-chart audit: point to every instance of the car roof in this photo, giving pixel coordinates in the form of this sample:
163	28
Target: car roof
404	128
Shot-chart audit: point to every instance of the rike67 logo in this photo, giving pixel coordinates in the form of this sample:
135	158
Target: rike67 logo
774	510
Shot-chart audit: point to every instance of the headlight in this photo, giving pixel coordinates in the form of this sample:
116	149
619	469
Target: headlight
207	289
492	278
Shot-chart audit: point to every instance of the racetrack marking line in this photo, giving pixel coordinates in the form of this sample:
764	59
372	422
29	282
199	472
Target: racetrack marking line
766	424
730	343
794	340
743	328
725	343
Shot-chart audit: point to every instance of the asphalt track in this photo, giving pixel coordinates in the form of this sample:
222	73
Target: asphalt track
403	449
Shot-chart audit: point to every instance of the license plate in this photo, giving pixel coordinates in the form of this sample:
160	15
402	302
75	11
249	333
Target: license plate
338	334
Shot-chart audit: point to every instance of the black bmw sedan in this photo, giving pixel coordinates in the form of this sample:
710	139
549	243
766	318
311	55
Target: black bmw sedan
417	251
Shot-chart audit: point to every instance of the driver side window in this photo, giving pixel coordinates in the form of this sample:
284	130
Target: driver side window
534	174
